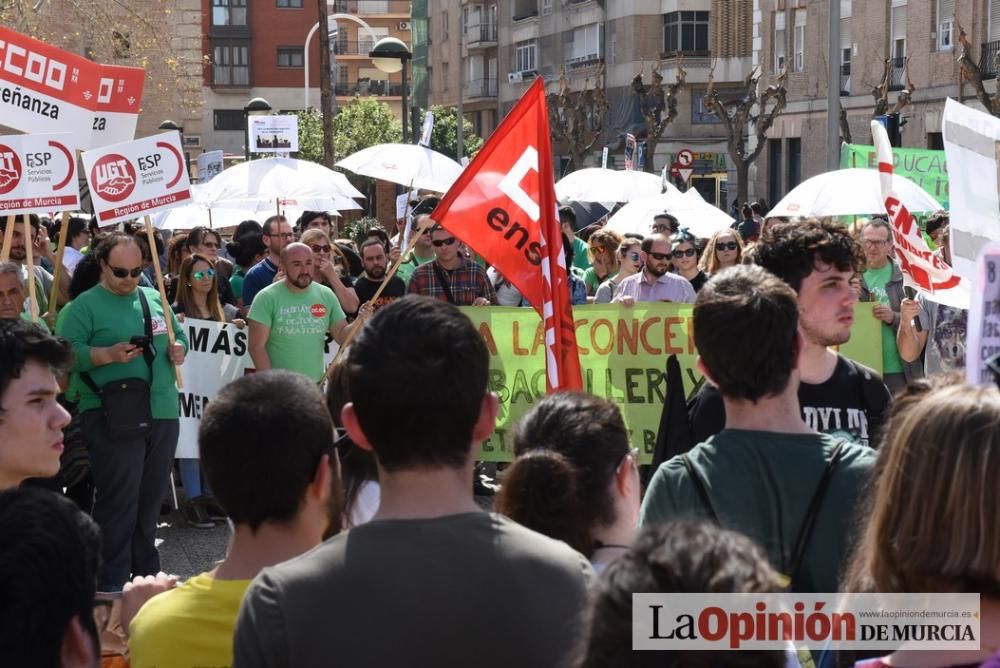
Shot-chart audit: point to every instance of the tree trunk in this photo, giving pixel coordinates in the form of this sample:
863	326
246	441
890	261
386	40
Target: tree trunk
742	181
325	89
650	151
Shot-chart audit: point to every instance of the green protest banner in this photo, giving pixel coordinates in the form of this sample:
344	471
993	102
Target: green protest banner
623	353
923	166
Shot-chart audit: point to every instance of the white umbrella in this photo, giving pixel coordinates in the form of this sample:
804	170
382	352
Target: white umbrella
409	165
691	211
596	184
850	192
272	179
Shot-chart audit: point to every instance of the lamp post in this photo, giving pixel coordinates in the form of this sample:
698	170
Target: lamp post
256	106
168	125
390	55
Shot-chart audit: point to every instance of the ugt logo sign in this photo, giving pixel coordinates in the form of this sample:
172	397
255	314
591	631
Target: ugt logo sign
113	177
10	169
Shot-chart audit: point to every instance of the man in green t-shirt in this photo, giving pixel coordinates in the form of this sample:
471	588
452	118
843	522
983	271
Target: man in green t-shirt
423	252
289	320
882	284
762	473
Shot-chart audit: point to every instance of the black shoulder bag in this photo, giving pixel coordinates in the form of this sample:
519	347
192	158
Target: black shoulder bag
125	402
443	280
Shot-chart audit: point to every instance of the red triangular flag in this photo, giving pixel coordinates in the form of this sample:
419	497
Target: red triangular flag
503	206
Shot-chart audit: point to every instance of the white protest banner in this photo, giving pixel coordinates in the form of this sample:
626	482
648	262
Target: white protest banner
984	318
218	355
921	268
137	178
210	164
274	134
38	174
45	89
970	146
116	113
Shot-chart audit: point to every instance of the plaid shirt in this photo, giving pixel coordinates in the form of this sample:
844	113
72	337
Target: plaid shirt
467	283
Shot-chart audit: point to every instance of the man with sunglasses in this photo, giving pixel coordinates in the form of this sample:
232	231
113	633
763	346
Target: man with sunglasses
277	234
664	223
655	283
277	427
452	277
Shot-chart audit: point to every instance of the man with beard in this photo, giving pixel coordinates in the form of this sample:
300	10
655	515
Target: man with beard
374	259
276	427
838	396
654	283
277	234
289	320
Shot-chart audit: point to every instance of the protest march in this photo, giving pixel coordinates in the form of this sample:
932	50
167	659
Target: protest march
541	417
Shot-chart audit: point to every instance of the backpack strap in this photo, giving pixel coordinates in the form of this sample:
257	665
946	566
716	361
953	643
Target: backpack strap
700	489
147	353
805	532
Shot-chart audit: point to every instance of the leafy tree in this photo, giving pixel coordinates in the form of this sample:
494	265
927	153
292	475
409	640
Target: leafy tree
444	136
310	135
357	230
362	123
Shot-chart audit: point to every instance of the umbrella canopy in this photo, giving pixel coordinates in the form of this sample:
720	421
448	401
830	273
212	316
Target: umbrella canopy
596	184
272	179
690	210
408	165
850	192
588	213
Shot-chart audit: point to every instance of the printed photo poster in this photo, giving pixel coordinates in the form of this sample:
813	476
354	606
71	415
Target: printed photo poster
274	134
137	178
38	174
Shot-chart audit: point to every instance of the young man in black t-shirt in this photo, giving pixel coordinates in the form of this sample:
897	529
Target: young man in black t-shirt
374	259
837	396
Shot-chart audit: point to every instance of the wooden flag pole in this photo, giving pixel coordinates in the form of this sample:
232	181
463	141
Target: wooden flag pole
29	242
57	271
378	293
8	238
167	312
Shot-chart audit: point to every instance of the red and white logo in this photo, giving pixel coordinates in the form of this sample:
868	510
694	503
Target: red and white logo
318	310
113	177
10	169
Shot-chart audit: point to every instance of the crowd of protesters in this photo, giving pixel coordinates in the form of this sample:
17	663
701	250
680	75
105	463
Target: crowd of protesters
356	537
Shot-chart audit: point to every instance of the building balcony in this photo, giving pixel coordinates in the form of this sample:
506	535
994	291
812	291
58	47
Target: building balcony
692	58
481	35
370	88
372	7
988	59
352	48
897	74
477	88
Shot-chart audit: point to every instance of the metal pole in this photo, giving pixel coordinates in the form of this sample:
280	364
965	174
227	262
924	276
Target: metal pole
460	111
246	135
305	63
406	109
833	91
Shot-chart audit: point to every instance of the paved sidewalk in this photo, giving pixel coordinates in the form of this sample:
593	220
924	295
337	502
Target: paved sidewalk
185	551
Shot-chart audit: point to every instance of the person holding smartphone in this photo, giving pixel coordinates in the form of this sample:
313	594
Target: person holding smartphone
128	405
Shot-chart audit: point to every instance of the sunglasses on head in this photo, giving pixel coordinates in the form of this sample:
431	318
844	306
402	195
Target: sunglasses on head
690	252
121	272
202	275
728	246
444	242
321	248
659	256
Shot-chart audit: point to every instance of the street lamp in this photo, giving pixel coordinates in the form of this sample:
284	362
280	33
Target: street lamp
255	107
168	125
390	55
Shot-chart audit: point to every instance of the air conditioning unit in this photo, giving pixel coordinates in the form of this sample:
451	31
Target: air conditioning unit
514	77
403	25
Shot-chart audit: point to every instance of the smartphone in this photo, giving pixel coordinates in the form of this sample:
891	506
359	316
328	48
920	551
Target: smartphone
139	341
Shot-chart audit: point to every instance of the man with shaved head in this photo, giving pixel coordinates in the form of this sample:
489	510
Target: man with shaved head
289	319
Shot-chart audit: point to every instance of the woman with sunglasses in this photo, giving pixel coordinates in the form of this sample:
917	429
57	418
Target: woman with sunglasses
330	268
724	250
198	297
207	242
602	247
629	263
130	454
685	259
575	475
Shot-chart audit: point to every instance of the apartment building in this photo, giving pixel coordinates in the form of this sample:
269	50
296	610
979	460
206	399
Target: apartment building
794	35
257	49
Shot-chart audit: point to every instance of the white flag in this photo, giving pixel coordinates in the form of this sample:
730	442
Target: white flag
425	133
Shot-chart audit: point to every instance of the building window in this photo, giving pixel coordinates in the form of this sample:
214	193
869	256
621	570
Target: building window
685	32
290	4
935	141
774	188
229	12
546	7
799	38
584	45
445	76
794	162
779	42
290	57
524	57
444	26
228	119
231	64
945	21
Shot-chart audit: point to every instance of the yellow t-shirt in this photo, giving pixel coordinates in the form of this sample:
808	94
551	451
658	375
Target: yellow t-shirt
189	626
